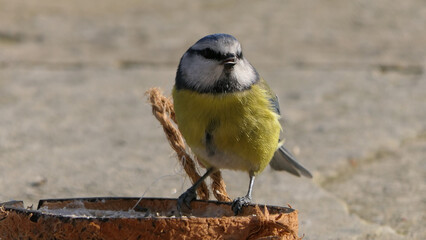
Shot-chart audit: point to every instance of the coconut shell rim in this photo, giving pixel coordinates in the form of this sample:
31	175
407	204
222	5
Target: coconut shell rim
35	214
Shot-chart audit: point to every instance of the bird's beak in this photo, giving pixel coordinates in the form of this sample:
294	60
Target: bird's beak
230	62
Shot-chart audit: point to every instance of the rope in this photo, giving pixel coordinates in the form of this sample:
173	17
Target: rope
219	187
162	109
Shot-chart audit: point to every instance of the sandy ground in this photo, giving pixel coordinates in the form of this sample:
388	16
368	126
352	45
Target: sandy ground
350	76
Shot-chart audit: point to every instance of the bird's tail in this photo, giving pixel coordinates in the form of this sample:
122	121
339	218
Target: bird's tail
283	160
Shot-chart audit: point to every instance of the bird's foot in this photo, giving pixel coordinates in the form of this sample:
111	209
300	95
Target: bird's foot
186	198
239	203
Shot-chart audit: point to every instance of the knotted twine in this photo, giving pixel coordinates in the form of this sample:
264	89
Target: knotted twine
163	110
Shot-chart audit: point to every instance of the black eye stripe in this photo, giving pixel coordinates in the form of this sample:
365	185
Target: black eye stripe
211	54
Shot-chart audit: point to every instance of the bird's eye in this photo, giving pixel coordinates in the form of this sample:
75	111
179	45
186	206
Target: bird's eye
240	55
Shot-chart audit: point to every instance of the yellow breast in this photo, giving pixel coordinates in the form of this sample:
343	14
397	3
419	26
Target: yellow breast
243	130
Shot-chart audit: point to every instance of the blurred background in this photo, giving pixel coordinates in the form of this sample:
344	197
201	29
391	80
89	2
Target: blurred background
350	76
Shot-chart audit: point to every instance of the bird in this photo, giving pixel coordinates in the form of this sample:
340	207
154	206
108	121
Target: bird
228	115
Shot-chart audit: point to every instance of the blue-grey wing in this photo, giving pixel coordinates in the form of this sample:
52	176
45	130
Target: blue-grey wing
283	160
275	104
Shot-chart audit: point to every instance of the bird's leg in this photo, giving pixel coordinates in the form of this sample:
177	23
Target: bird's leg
189	195
240	202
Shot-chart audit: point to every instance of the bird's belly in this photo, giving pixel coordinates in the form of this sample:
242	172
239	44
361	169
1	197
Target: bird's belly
237	143
226	160
237	131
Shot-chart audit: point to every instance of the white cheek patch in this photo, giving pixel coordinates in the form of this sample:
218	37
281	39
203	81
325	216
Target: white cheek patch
244	72
203	73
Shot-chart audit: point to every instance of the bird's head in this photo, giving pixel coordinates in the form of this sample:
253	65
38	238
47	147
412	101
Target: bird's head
215	64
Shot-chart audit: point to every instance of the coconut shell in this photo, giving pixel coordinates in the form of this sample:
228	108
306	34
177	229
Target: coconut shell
157	220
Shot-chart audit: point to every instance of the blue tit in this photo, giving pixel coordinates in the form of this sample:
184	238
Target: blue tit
228	114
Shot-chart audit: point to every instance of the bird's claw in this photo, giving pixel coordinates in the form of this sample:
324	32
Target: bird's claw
186	198
239	203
